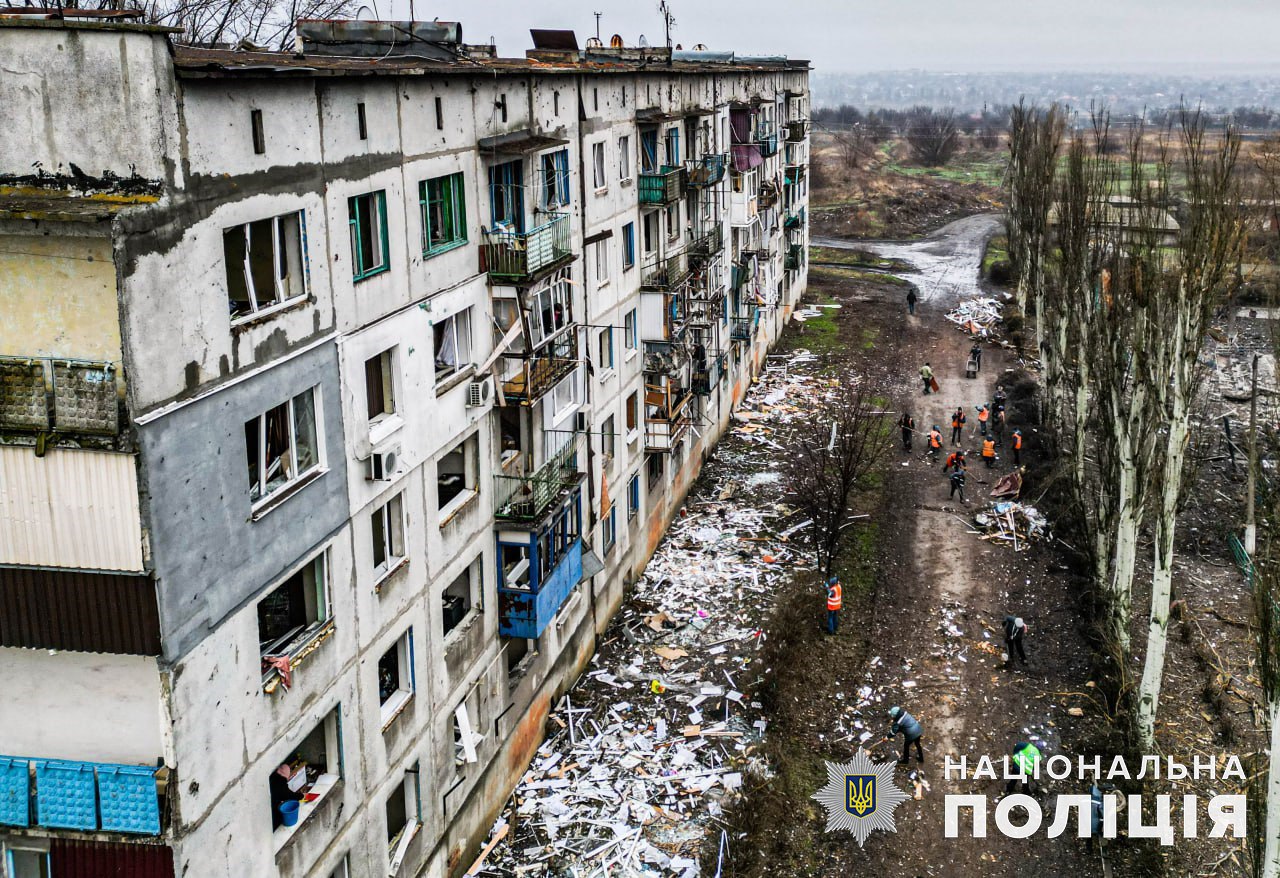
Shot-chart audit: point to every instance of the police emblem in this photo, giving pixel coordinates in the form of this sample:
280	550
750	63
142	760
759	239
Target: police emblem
860	796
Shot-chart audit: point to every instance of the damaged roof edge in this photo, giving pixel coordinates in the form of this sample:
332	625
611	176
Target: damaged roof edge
106	24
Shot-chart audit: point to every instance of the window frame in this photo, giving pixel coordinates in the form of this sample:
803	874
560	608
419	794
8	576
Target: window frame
609	438
633	496
600	252
632	416
609	529
398	843
599	173
378	199
624	157
453	209
280	260
473	574
462	352
323	598
285	488
10	866
630	334
554	192
334	771
604	345
406	673
469	447
628	246
394	536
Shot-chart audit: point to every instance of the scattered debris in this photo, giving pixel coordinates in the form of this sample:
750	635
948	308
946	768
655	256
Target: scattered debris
1015	523
977	316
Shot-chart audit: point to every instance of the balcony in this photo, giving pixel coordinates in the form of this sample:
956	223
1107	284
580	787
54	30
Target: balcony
665	272
794	218
794	258
535	374
522	257
708	245
768	195
527	497
526	612
664	187
741	328
69	397
768	144
706	171
666	419
797	131
705	379
744	207
87	796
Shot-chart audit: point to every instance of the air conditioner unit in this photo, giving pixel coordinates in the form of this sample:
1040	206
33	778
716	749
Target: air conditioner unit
384	464
480	392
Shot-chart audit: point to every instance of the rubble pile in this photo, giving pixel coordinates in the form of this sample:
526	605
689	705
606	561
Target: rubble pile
977	316
660	733
1014	523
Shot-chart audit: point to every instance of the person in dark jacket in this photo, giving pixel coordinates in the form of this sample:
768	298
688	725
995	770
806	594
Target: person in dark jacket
908	426
911	300
280	792
909	726
1014	629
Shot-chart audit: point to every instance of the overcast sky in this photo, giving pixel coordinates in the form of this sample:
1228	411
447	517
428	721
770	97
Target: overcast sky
859	35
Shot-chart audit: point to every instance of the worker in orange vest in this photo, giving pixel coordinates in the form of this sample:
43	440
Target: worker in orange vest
835	600
983	414
988	452
935	442
1017	447
957	425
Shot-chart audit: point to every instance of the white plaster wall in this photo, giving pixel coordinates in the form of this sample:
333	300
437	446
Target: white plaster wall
219	135
81	706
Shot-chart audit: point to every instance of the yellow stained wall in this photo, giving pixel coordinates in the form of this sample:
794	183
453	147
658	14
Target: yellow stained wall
58	298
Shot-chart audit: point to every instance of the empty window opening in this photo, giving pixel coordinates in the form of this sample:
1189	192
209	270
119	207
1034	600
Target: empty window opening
515	566
506	196
457	600
387	533
624	157
633	413
465	738
265	263
555	179
452	344
396	677
455	474
294	611
595	99
404	816
282	445
308	773
599	179
255	127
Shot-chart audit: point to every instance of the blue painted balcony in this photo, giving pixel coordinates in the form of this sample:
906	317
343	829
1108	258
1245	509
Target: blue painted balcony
534	588
88	796
706	171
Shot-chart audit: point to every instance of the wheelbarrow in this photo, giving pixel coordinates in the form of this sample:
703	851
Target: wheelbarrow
971	369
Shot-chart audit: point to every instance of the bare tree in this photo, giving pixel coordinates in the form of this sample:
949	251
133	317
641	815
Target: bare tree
933	136
832	456
855	146
265	23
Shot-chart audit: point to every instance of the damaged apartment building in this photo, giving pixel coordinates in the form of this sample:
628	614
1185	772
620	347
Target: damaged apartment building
343	393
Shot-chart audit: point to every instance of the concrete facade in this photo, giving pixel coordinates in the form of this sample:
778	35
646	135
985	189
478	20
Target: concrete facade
379	337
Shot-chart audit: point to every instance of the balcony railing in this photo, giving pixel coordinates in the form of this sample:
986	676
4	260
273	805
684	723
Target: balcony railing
793	218
741	328
664	187
519	257
706	171
768	144
670	422
707	245
797	131
526	614
88	796
42	395
526	497
794	258
538	372
665	272
705	379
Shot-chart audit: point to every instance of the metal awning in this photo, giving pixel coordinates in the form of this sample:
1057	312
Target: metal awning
591	565
519	142
654	115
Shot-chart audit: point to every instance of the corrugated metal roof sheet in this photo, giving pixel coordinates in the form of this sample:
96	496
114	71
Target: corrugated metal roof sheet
91	859
77	611
71	508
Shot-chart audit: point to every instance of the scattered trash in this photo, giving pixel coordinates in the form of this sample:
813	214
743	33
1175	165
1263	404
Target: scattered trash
1015	523
977	316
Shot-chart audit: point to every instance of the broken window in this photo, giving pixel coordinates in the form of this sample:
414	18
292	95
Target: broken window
28	862
379	385
606	349
653	463
282	445
387	532
404	816
649	151
555	179
551	310
265	263
673	147
633	414
444	213
396	677
367	219
452	343
515	565
456	476
624	157
307	774
506	197
295	610
457	600
362	124
650	229
466	717
608	438
628	246
597	166
673	221
633	497
343	870
439	115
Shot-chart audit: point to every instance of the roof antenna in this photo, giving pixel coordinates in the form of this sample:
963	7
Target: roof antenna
668	19
597	15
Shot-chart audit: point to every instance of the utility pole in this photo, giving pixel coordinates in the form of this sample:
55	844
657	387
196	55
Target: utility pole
1251	526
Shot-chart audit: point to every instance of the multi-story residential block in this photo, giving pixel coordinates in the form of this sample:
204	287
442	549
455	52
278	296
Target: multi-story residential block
342	394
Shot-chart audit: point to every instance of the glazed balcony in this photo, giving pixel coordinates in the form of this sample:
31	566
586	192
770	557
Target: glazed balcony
522	257
706	171
662	188
525	498
529	377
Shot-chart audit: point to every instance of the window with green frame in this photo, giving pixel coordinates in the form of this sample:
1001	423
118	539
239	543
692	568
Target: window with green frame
367	217
444	213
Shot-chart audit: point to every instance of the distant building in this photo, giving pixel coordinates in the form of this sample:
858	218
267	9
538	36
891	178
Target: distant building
342	394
